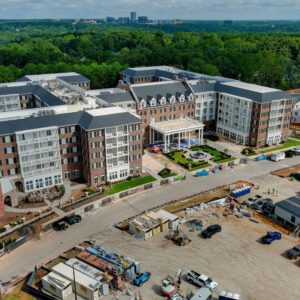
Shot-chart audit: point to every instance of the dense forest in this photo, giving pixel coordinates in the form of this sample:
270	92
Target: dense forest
100	52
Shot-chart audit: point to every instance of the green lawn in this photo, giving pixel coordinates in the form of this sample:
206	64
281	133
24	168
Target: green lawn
128	184
289	143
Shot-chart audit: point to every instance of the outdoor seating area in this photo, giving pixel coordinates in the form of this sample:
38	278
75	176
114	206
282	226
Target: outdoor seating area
50	194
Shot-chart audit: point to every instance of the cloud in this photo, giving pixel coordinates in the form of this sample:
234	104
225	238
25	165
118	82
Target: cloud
157	9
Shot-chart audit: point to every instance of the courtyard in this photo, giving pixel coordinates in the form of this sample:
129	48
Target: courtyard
199	157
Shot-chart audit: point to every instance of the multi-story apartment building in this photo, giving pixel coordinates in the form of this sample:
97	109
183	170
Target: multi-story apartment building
97	145
71	78
21	97
245	113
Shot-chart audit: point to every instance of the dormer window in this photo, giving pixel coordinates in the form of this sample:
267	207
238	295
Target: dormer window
191	97
153	102
163	100
181	98
172	99
143	103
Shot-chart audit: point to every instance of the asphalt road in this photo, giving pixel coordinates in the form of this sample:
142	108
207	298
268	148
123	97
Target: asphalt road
36	252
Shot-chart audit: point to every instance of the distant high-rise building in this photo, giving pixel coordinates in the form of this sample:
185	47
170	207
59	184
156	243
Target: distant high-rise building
110	19
123	20
143	19
133	17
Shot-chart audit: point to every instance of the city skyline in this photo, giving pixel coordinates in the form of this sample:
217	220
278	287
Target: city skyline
169	9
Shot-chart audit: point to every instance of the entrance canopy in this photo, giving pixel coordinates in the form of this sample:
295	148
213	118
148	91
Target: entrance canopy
182	128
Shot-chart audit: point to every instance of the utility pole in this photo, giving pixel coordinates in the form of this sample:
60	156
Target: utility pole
75	292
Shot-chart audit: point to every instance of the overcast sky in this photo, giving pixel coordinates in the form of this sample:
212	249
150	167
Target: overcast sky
156	9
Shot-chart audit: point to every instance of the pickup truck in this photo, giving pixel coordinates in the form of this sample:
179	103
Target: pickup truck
201	280
270	237
293	252
141	278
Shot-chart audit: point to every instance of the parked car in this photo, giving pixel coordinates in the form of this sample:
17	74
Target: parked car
268	209
77	218
60	225
289	153
261	203
71	220
294	252
201	280
252	199
141	278
296	150
211	230
270	237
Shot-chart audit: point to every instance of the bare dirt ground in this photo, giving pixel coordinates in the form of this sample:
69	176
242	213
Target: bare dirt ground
286	172
234	258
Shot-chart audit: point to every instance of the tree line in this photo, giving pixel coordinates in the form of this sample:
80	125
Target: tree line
272	60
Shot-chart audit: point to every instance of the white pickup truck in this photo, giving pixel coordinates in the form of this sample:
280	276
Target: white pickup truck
201	280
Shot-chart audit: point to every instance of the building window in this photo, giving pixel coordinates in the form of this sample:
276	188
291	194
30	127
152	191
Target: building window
48	181
57	179
29	185
12	171
123	173
8	150
293	219
7	139
113	175
39	183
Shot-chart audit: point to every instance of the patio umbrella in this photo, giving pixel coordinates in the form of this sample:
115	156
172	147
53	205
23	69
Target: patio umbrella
155	149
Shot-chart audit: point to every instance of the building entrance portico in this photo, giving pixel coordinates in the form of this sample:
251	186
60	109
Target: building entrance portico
178	129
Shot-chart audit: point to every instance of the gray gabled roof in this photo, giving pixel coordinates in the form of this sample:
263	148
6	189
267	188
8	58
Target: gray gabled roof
291	205
74	78
82	118
44	95
157	90
116	97
89	122
10	127
170	73
255	95
201	87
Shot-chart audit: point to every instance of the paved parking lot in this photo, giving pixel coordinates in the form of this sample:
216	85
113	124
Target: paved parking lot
234	258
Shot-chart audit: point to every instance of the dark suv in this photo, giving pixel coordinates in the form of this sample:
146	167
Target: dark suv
294	252
210	231
72	219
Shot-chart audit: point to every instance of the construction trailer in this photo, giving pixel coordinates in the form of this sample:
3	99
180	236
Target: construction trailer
128	266
163	221
57	286
83	285
86	269
173	219
144	227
